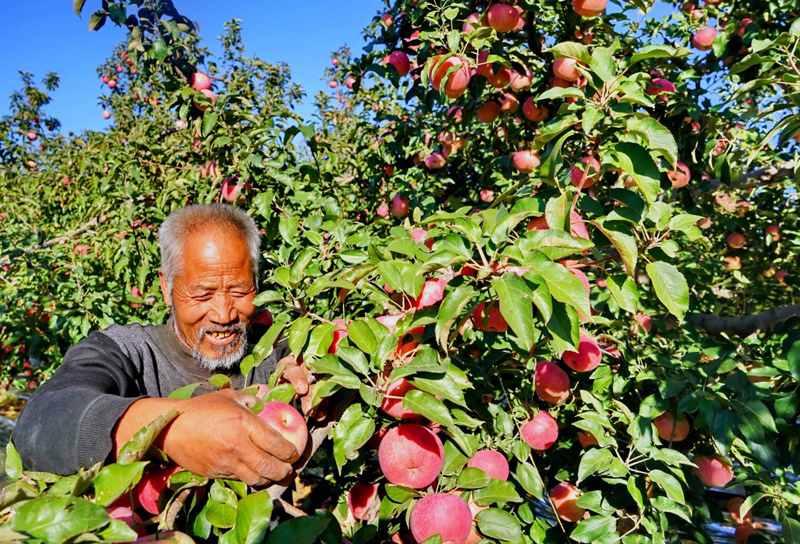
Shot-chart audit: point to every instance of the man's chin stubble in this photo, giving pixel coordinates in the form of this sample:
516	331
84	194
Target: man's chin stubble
223	361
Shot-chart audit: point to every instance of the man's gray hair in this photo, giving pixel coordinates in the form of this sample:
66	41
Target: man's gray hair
180	224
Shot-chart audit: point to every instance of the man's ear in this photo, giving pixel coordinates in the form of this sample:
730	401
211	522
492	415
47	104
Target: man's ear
164	289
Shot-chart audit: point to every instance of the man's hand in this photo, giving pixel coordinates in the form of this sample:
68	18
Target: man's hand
216	436
298	376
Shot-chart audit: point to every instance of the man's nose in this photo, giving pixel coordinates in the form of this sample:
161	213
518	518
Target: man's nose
223	310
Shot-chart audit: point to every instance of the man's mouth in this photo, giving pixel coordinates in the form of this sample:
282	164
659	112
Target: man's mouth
221	338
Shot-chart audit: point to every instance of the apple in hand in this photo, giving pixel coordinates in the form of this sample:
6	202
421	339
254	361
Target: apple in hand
287	421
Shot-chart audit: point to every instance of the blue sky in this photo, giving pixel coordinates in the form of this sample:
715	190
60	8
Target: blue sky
42	36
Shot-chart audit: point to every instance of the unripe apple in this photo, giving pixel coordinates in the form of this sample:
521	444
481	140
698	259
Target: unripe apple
525	161
713	471
434	161
587	358
564	497
488	111
201	81
576	174
399	61
534	112
502	18
734	507
552	383
106	114
704	39
589	8
680	177
540	432
399	206
289	423
362	500
565	69
660	87
736	240
493	322
492	462
411	455
671	428
441	514
458	81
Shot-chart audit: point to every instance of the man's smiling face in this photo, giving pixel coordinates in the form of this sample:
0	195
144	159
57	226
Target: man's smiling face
212	296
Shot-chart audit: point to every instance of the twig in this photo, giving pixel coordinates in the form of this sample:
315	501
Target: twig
53	241
291	510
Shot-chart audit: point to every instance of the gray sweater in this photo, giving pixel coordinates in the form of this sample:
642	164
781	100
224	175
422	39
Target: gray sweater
68	422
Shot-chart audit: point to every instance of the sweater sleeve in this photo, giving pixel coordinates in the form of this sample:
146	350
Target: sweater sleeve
68	422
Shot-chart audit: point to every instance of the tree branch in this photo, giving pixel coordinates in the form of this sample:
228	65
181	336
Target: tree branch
745	325
53	241
763	175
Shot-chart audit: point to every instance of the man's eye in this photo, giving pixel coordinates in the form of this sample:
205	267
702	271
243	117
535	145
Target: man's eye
202	296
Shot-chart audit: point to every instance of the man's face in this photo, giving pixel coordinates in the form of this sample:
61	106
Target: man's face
212	297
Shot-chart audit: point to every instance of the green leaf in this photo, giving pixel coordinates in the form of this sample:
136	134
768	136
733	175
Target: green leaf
594	460
530	480
624	290
13	465
426	405
658	138
135	449
450	310
302	530
77	5
571	50
298	334
362	336
563	285
670	484
594	528
635	161
790	530
97	20
209	122
654	51
354	358
625	244
670	286
252	517
793	359
472	478
115	480
56	520
496	523
603	64
516	306
184	392
497	491
264	348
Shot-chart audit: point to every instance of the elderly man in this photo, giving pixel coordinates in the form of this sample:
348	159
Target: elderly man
113	383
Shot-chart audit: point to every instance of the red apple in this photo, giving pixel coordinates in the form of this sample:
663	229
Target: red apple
106	114
472	21
540	432
773	231
589	8
399	61
264	317
735	263
577	226
382	211
435	160
488	111
458	81
736	240
399	205
713	471
704	39
362	500
564	497
127	516
576	174
644	321
565	69
486	195
492	462
441	514
432	292
289	423
671	428
201	81
350	81
680	177
734	507
411	455
533	112
32	136
660	87
586	439
394	406
525	161
509	103
112	84
149	488
552	383
743	533
339	334
502	17
520	82
587	358
493	322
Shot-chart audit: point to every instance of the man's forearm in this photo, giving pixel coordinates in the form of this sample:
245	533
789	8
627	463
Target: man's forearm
139	415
